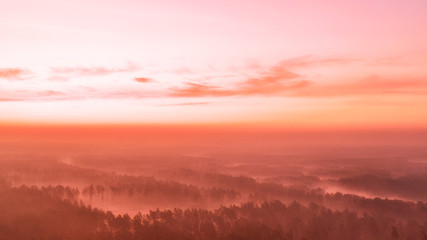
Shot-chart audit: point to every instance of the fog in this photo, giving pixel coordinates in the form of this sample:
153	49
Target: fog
212	183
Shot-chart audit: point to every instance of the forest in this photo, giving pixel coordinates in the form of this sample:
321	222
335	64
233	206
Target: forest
33	213
110	190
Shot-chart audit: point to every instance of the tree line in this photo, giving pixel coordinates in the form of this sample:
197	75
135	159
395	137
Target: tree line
47	213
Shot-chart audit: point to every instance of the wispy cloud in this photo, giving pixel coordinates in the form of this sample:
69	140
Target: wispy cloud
371	85
311	61
11	99
14	73
185	104
41	95
274	81
49	93
93	71
279	81
142	79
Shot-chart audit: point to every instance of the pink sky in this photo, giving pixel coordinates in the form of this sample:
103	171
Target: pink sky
287	63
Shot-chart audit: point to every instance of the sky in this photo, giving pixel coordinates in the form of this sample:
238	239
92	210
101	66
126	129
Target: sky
266	63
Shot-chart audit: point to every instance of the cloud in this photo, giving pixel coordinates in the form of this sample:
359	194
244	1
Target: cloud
279	81
276	80
128	94
93	71
14	73
310	61
143	79
370	85
49	93
201	90
185	104
44	95
10	99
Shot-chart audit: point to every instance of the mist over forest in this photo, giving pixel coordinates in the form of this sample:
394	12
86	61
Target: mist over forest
137	184
213	120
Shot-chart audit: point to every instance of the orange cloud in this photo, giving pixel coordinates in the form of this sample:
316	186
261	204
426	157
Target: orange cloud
13	73
185	104
275	81
10	99
49	93
279	81
309	61
143	79
200	90
371	85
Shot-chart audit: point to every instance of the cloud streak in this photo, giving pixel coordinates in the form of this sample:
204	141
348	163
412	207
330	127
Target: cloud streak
93	71
372	85
185	104
273	82
10	99
310	61
142	79
14	73
278	81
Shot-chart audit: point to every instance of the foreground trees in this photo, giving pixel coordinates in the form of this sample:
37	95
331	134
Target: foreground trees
51	213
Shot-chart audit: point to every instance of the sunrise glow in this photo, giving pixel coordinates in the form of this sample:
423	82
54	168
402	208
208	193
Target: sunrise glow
127	62
213	120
